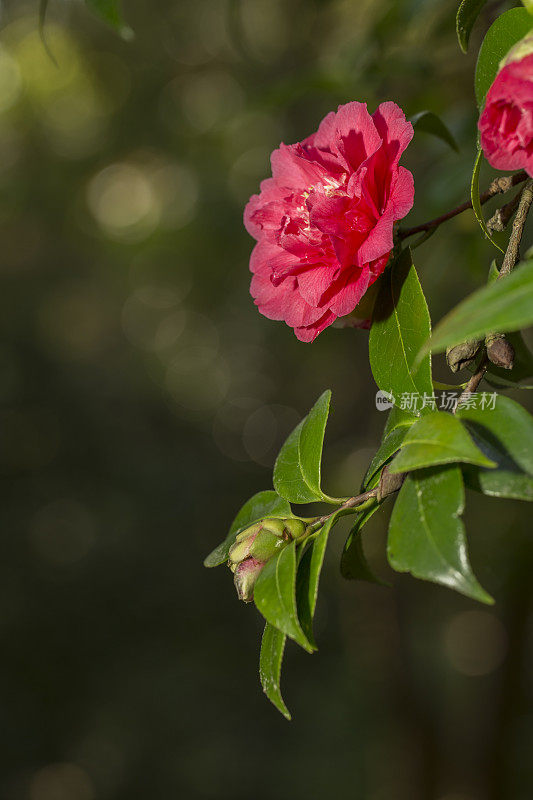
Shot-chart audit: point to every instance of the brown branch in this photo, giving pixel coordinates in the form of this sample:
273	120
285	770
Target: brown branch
509	260
513	248
498	186
501	217
473	383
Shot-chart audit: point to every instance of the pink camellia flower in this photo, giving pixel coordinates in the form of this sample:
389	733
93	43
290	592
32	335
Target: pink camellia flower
506	124
324	221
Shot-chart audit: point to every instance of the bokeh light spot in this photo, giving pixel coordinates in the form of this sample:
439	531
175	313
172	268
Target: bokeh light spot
475	643
61	782
122	201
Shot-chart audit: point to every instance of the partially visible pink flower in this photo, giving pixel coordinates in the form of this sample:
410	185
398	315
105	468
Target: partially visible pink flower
324	221
506	124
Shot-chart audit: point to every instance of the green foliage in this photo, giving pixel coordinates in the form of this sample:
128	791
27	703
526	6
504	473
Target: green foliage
476	202
505	434
354	565
297	467
389	446
309	570
261	505
429	122
504	32
270	659
467	13
505	305
438	438
109	11
400	326
426	536
275	595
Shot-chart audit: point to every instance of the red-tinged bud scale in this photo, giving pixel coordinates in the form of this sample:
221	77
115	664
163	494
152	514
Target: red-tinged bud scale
256	545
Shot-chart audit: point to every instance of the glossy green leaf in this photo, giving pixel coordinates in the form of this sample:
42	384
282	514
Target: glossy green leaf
396	418
494	272
506	31
261	505
507	480
426	536
400	326
297	467
109	11
467	13
429	122
437	438
506	305
308	577
275	595
389	446
270	659
508	426
354	565
476	202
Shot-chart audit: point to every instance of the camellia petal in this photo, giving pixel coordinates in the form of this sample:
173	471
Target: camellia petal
506	124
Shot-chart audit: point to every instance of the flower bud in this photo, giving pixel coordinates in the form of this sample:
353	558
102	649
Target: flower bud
246	575
500	352
256	545
461	355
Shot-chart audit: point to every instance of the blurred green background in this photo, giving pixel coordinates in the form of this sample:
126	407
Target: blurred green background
143	399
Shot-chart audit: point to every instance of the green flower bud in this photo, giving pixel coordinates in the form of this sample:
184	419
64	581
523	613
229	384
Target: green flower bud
256	545
275	526
265	545
295	528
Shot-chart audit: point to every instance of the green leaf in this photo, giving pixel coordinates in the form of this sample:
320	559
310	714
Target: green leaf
354	565
506	305
275	595
508	426
437	438
271	656
109	11
467	13
398	417
494	272
429	122
476	202
426	536
308	577
297	467
389	446
400	326
507	480
261	505
505	32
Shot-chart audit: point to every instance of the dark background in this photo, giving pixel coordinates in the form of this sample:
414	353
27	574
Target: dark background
143	399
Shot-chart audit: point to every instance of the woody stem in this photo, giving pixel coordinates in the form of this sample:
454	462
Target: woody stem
498	186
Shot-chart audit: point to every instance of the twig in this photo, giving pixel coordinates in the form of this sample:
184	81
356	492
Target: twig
513	248
498	186
501	217
352	502
473	383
